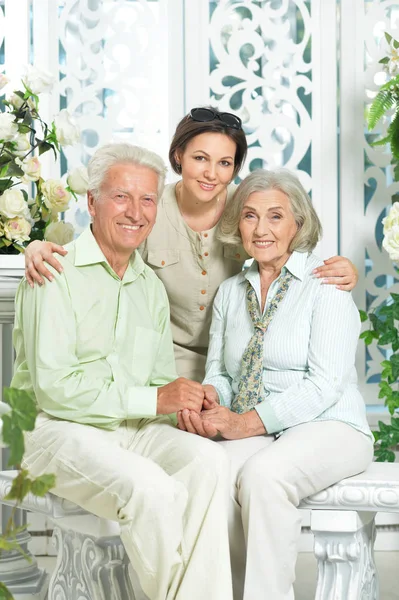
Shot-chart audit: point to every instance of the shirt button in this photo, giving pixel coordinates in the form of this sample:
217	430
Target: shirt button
203	272
206	253
238	255
162	263
205	235
202	307
203	291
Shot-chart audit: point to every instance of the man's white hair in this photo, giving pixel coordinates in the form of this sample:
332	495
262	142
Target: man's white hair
112	154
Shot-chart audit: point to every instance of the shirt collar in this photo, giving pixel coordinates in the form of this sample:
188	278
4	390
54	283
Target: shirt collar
295	265
88	252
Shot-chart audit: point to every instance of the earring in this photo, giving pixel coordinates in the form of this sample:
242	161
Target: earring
178	167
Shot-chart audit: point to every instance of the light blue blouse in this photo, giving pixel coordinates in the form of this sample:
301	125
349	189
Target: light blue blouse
309	352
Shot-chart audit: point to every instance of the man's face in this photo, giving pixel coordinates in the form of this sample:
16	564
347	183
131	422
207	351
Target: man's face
125	211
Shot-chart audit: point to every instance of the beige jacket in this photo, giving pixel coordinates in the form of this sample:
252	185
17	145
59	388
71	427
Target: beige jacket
191	265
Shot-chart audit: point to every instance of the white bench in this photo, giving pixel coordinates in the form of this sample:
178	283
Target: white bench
92	563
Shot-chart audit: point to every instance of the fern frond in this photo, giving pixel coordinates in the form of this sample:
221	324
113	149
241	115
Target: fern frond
393	131
382	142
394	82
381	103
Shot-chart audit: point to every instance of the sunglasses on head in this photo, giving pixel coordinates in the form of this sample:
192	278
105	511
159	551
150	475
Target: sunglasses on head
203	115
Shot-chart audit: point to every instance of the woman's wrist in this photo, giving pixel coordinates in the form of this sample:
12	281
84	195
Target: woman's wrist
253	424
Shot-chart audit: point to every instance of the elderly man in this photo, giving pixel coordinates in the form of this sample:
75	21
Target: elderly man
95	349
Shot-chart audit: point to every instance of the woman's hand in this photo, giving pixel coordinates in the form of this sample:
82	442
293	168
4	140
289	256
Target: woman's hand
35	254
222	420
339	271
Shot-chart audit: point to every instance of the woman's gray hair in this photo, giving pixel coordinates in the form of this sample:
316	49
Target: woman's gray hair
112	154
309	226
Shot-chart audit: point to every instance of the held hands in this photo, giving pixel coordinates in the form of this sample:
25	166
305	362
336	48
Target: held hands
215	419
180	394
35	254
339	271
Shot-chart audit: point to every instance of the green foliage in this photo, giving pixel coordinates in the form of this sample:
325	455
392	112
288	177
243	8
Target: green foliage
381	104
20	418
388	99
384	332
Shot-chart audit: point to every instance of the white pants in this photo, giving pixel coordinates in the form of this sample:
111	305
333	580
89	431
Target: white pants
166	488
269	479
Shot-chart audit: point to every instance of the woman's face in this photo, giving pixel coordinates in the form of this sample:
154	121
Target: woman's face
207	165
267	227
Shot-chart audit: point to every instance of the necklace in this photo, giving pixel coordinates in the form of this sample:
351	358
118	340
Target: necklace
210	222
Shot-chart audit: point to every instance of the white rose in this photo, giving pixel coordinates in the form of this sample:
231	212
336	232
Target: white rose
78	180
22	144
68	133
391	243
13	204
38	80
16	102
17	229
3	80
8	129
56	197
31	168
59	233
392	218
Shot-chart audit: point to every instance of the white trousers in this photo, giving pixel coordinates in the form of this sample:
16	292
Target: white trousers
269	479
166	488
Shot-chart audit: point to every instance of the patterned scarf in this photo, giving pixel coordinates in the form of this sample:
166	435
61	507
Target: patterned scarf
251	377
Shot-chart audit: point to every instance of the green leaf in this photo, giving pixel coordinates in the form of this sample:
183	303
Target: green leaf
14	170
384	428
24	408
45	147
392	404
395	423
387	310
384	456
385	390
42	484
23	128
387	338
368	336
4	592
363	315
384	60
20	487
388	37
14	438
5	184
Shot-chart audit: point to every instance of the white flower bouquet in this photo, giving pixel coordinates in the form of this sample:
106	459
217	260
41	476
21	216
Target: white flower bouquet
30	206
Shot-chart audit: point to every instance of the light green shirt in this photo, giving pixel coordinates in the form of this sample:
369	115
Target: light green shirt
91	347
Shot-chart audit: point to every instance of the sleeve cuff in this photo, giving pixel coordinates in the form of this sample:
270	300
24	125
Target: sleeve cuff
268	417
142	402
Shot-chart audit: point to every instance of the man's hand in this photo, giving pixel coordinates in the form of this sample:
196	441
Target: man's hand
211	397
182	393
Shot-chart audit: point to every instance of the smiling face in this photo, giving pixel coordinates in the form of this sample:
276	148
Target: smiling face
267	227
125	211
207	166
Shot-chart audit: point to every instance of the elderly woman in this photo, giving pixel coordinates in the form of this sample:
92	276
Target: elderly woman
280	381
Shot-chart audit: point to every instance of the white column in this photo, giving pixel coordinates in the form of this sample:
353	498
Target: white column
344	549
324	123
196	53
